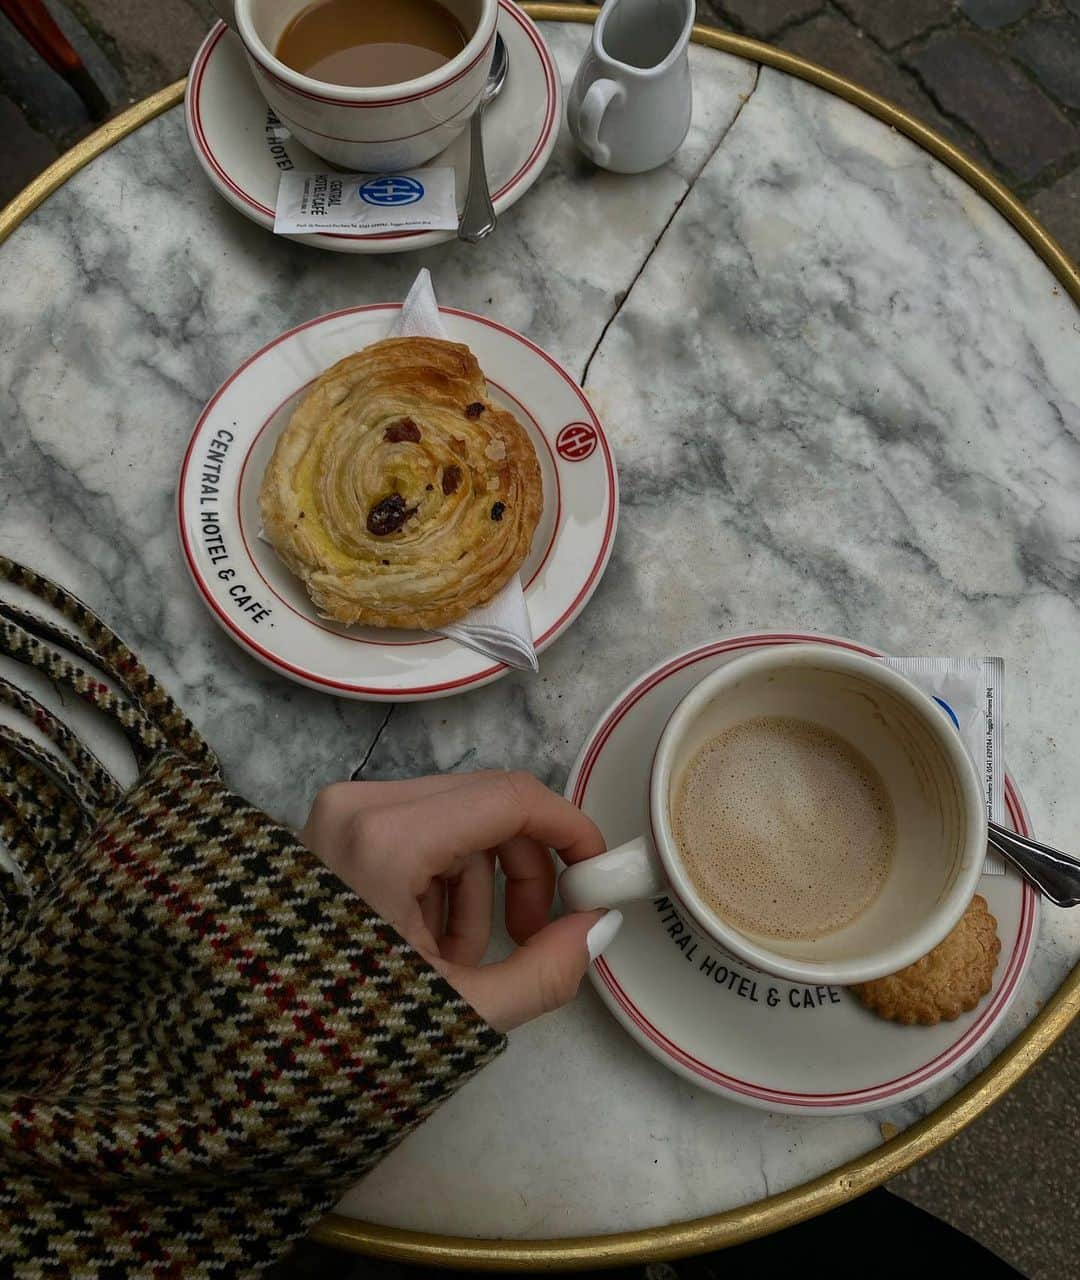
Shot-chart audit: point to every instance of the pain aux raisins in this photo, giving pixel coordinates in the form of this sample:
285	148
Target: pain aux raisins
497	510
474	410
451	478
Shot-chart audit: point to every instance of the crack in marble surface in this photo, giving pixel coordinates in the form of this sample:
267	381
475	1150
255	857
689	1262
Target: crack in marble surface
357	774
622	301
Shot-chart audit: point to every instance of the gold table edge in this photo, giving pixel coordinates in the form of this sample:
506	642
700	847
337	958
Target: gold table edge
80	155
745	1222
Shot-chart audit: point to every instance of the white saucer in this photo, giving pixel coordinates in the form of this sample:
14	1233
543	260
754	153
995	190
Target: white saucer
266	609
727	1026
244	149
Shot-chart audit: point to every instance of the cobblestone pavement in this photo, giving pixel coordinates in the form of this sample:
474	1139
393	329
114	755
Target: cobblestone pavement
1001	79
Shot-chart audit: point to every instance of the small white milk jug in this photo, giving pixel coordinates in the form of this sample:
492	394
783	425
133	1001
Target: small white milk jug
629	107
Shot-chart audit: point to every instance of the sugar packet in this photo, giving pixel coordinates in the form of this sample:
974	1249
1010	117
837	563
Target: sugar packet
367	203
971	692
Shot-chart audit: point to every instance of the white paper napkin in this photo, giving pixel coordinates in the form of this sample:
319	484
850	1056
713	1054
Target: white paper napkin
501	628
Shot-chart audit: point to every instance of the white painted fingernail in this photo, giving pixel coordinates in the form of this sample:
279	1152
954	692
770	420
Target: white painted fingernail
602	934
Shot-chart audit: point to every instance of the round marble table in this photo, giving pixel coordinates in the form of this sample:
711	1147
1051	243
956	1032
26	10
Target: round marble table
844	396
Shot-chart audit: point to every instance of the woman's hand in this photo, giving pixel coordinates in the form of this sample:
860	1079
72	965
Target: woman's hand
422	853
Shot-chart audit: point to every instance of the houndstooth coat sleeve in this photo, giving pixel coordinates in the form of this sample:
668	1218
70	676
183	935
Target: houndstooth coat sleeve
205	1037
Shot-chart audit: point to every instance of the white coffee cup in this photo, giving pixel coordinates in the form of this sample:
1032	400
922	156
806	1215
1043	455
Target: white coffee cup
380	129
932	782
629	107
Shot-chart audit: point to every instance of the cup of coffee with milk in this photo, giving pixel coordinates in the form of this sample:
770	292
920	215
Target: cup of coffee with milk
814	813
373	87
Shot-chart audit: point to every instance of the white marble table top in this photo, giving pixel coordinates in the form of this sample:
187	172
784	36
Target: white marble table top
844	396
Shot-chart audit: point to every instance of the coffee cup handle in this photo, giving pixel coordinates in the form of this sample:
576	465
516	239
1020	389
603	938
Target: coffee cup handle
600	95
623	874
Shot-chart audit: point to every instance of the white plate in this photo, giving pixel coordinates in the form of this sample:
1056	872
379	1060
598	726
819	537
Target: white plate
263	606
720	1022
243	148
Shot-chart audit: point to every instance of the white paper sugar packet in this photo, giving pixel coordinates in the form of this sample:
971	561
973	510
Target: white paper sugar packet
501	628
420	200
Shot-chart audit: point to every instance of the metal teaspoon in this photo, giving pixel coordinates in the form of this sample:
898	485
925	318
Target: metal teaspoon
478	216
1055	873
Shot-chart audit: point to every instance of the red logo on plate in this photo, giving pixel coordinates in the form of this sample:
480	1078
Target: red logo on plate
576	442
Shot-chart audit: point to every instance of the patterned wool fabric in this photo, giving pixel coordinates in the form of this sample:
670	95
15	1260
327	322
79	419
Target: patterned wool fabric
205	1037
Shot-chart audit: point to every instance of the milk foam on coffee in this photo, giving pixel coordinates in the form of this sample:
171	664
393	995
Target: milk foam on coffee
785	829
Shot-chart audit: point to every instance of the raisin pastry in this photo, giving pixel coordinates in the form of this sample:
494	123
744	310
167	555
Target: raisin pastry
398	492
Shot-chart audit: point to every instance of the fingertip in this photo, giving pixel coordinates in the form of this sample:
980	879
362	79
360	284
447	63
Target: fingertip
589	840
602	933
583	935
530	886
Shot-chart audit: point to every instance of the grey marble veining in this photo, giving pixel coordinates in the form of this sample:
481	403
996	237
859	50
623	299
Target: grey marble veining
844	397
135	290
